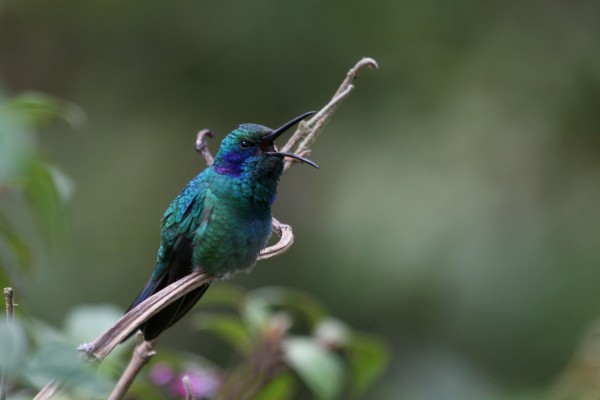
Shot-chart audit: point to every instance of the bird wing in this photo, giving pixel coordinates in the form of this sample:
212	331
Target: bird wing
177	231
186	214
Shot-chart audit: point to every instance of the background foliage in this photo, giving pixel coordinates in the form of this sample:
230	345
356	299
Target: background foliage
455	212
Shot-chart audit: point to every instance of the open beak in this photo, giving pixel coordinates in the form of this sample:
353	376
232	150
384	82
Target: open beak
270	138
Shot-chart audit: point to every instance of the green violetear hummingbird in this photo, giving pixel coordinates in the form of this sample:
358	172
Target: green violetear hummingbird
221	220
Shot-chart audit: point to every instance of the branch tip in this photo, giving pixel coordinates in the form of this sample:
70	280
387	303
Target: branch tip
187	384
9	300
142	353
202	145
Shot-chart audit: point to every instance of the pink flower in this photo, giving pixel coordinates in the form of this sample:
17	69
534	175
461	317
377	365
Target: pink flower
161	374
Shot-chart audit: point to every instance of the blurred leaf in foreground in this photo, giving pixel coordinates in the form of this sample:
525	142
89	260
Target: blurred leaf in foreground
321	370
25	178
285	337
368	357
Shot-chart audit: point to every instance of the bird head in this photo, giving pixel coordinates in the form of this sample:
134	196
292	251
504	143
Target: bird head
251	147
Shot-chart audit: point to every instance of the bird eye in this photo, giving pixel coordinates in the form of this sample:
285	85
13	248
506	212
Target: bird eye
244	144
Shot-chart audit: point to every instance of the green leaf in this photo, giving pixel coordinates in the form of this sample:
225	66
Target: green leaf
256	313
332	333
65	186
224	294
228	327
46	201
42	332
85	322
18	247
13	346
17	145
280	388
320	369
4	280
368	356
38	109
60	361
296	299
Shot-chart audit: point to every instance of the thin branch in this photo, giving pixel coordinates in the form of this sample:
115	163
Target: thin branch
104	344
187	384
307	131
47	391
202	146
285	242
142	353
353	73
9	300
10	310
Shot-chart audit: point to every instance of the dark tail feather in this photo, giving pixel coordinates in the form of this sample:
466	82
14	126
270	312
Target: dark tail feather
150	288
169	315
172	313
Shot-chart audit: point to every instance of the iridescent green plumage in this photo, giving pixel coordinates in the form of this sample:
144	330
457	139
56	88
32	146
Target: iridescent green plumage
220	221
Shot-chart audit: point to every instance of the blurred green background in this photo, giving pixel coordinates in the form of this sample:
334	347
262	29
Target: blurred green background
456	212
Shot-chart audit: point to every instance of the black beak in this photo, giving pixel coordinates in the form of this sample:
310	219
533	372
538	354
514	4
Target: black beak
277	132
291	155
269	138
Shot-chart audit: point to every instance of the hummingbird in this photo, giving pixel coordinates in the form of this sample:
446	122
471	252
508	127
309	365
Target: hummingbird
221	220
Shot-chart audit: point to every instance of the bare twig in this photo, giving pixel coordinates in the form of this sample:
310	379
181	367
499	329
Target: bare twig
353	73
285	242
202	146
47	391
307	131
104	344
10	309
187	384
9	300
142	353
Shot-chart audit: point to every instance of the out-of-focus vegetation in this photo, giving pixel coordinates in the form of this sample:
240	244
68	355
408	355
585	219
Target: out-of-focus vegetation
331	360
33	192
455	212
